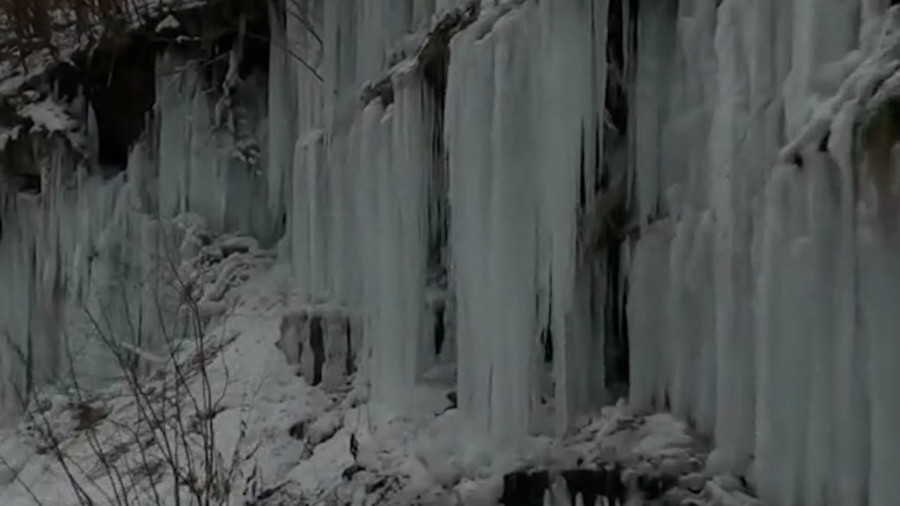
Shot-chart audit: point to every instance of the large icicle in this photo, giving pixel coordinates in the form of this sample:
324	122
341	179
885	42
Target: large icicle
203	165
785	245
516	169
572	64
511	223
397	333
468	119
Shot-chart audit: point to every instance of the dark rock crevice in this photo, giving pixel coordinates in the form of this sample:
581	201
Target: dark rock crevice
119	84
606	209
615	346
350	358
317	347
522	488
117	75
527	488
439	330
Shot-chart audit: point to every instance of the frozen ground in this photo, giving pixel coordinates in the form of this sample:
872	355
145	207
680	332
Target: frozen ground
294	441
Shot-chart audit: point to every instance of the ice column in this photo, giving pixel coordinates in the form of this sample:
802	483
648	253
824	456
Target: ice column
208	154
769	263
523	134
468	126
494	234
568	100
76	251
281	111
397	333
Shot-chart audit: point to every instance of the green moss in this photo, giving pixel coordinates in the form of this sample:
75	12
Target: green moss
879	123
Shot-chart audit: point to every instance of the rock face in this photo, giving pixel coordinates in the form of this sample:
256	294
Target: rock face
324	341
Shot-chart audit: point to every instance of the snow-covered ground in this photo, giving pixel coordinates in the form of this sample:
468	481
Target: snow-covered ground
295	442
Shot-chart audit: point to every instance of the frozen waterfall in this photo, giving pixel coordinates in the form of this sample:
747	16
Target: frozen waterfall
85	247
690	204
750	275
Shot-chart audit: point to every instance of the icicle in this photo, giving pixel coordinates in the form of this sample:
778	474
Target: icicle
281	113
879	278
645	318
397	305
699	280
851	399
529	190
174	134
470	157
568	47
93	135
307	155
680	335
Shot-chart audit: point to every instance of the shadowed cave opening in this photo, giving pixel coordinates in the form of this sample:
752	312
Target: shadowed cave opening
119	83
118	77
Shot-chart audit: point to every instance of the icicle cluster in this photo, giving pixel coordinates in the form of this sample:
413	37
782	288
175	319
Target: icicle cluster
757	286
83	255
363	188
760	285
523	102
732	234
359	176
207	162
74	261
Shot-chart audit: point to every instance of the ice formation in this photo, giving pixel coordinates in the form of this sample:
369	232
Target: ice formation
751	293
85	248
694	199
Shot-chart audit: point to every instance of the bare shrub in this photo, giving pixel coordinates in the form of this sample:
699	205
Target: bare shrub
165	452
29	26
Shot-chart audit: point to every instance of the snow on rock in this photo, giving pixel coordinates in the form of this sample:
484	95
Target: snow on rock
47	116
9	134
170	22
217	267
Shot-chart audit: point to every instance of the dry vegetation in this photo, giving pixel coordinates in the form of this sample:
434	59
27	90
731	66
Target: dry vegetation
52	26
27	26
38	18
159	447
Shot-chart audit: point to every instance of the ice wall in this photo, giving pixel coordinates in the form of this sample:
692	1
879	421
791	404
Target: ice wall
523	106
361	175
210	159
765	239
736	201
756	256
364	180
85	250
75	263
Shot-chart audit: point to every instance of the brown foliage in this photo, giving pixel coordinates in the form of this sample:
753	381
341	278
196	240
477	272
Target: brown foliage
88	415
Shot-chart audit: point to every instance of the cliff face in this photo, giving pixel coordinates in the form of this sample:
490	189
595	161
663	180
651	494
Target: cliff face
691	204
